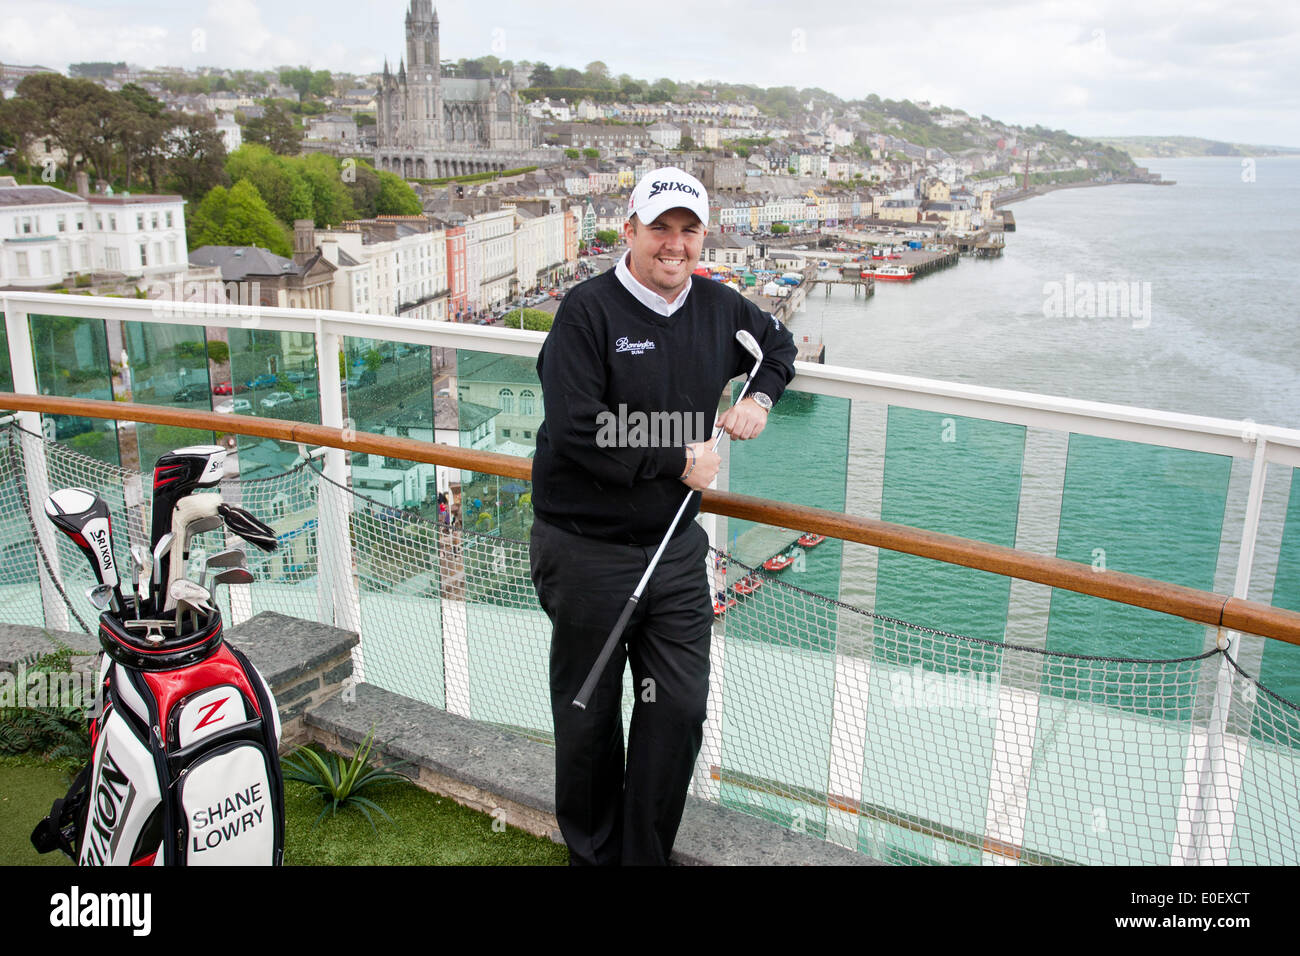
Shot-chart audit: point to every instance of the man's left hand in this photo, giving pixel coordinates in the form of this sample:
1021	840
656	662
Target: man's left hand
745	420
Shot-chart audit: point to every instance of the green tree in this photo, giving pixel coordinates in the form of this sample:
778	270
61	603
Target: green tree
196	157
591	153
237	217
779	228
572	153
396	197
363	187
275	129
331	201
276	179
542	75
607	236
534	320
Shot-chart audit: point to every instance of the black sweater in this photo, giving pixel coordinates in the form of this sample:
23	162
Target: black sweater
608	358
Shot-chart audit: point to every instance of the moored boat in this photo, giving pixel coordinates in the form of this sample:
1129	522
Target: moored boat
748	584
810	540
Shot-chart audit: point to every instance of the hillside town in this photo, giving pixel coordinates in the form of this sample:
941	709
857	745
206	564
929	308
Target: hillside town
490	197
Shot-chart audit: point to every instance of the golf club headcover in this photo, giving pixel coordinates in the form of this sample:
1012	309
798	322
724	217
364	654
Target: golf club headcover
242	523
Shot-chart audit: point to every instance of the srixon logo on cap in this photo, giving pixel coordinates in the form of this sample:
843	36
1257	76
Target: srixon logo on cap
657	187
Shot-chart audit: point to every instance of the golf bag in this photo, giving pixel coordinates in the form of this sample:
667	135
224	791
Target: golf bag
184	768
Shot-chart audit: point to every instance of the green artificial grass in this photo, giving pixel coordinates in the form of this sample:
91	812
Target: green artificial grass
28	786
429	830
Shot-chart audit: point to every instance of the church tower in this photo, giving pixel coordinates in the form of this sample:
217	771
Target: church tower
422	58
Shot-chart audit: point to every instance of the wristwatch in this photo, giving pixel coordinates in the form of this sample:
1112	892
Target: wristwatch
761	400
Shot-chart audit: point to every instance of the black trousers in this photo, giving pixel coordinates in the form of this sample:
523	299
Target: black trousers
611	813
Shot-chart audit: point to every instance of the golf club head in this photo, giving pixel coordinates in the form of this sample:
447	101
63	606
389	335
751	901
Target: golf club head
83	517
249	528
100	595
199	525
749	344
185	530
176	474
232	576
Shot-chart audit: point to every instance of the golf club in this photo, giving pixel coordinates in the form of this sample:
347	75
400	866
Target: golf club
160	549
748	343
188	596
233	558
139	575
235	575
83	516
100	595
178	473
191	516
242	523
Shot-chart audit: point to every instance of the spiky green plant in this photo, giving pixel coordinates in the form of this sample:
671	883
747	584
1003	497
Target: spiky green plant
340	781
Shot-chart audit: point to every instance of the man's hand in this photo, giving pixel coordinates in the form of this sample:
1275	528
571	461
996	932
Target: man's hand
706	464
745	420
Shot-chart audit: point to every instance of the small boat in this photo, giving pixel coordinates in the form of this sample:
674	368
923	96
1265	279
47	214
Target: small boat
748	585
892	274
810	540
778	562
722	607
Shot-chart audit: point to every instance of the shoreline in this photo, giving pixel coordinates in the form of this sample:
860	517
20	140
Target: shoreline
1034	191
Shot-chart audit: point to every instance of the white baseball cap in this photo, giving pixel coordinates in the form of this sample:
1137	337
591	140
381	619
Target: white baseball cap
668	188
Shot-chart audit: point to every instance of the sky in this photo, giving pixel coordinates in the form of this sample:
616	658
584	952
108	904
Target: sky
1213	68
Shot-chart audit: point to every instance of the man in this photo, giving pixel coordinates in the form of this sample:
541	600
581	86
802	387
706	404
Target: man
645	340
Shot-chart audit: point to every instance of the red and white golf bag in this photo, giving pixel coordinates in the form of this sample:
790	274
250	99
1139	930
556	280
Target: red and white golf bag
184	768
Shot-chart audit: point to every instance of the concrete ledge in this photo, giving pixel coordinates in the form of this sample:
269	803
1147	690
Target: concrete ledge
494	770
18	643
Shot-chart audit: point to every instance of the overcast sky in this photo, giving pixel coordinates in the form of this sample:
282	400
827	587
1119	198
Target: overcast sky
1222	69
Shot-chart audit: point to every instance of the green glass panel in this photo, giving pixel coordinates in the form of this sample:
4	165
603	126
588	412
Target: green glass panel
498	408
389	389
6	371
168	366
801	458
1268	804
1139	509
272	375
958	476
779	663
72	360
1280	669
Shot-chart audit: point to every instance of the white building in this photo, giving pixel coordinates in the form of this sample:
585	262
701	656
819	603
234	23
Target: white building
47	235
494	234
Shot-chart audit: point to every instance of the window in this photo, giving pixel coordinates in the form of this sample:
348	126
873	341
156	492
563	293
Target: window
47	262
63	224
169	219
505	433
153	221
139	221
20	259
65	259
527	435
526	402
99	222
81	223
26	225
112	222
171	250
507	401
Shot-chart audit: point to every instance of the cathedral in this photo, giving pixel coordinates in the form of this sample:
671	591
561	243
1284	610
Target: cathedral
429	125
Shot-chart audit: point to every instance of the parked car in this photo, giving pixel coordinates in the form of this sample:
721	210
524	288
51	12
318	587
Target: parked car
277	398
234	406
297	375
224	388
191	393
262	381
358	378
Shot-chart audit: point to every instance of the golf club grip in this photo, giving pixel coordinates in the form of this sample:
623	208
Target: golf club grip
589	685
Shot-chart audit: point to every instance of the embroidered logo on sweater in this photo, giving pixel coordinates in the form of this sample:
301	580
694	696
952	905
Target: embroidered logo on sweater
635	348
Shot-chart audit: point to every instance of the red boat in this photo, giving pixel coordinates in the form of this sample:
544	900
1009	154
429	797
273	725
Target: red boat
778	563
892	274
720	608
748	585
810	540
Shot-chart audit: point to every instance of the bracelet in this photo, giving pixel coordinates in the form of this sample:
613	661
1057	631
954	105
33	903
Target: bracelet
691	466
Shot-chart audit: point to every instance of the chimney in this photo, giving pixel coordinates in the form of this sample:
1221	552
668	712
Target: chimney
304	240
83	184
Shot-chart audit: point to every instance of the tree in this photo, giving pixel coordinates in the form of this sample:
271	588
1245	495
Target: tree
591	153
196	157
572	153
331	201
237	218
686	144
276	179
396	197
276	130
779	228
363	186
542	76
534	320
607	236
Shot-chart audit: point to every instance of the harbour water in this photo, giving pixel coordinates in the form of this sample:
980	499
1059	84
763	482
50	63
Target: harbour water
1210	327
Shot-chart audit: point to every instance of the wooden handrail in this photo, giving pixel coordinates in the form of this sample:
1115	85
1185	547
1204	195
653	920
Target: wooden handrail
1204	607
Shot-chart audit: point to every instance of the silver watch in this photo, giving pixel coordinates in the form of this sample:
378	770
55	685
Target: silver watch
762	400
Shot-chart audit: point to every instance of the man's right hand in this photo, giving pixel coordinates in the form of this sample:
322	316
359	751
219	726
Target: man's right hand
707	462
